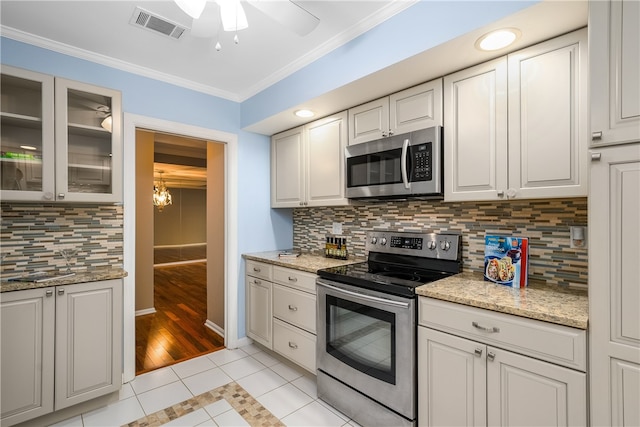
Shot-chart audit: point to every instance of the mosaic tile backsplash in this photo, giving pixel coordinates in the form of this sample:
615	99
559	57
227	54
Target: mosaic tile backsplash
545	222
31	236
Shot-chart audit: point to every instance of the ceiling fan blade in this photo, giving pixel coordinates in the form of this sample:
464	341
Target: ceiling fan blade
208	23
288	14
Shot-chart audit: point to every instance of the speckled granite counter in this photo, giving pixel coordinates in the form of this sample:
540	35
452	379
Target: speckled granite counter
305	262
93	275
553	304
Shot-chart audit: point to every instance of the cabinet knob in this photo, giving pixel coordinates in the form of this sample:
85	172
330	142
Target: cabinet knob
47	196
49	293
61	291
293	307
595	157
511	193
257	282
491	356
293	345
595	136
478	352
390	132
500	193
60	196
256	269
293	279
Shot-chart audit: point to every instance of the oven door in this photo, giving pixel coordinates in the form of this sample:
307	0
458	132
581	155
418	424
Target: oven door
366	340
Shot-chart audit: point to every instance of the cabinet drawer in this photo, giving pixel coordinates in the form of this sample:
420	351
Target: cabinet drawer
295	307
259	269
295	344
295	278
554	343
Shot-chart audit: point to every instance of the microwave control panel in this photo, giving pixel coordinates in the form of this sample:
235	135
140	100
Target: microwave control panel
421	156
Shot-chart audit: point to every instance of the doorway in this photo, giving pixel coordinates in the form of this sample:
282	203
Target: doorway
176	294
228	259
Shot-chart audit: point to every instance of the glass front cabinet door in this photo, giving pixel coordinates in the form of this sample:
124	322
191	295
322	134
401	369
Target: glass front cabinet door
26	136
61	140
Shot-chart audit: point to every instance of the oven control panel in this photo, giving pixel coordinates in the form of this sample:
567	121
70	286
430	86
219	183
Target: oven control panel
427	245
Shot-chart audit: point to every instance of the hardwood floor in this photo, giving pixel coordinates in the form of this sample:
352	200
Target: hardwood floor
176	332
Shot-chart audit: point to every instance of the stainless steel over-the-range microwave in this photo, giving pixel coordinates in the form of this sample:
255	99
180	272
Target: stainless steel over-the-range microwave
402	165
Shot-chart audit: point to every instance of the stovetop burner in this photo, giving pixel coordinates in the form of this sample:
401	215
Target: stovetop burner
400	262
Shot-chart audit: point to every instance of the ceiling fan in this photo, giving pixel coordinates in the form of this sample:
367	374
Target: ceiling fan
207	14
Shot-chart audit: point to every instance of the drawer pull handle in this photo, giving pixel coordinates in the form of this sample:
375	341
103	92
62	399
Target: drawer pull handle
293	345
49	293
257	282
256	269
293	307
293	279
478	352
491	356
491	330
61	291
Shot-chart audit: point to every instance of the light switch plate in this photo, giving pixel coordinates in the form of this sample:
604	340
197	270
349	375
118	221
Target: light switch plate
337	228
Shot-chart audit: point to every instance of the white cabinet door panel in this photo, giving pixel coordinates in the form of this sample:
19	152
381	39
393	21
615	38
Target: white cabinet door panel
451	380
259	303
369	121
625	388
475	122
416	108
524	391
287	169
547	117
27	354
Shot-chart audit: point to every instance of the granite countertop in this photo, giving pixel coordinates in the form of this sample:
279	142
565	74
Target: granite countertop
305	262
90	275
555	304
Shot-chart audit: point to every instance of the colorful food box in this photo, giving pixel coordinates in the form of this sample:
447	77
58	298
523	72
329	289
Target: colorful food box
506	260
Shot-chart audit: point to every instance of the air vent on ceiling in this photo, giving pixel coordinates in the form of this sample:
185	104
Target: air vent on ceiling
150	21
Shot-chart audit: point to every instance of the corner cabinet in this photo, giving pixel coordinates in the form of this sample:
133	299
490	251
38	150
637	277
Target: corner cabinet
61	140
515	127
412	109
614	71
60	346
614	287
307	164
480	368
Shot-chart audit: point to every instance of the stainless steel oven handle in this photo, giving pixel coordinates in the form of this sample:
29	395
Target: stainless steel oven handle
366	297
403	164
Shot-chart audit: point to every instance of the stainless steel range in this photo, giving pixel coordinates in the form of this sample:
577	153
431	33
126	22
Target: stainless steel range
366	346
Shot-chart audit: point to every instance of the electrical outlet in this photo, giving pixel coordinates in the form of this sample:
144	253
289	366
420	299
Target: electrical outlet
578	236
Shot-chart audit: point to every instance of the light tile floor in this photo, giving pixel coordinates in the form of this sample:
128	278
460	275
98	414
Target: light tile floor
186	391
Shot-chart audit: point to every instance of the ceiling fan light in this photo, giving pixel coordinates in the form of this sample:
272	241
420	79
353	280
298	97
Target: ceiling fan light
107	123
232	15
193	8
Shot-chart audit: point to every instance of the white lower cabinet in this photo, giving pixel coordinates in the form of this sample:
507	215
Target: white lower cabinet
258	302
281	311
467	382
60	346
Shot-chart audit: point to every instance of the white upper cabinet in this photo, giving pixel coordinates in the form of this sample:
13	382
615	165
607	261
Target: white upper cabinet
307	164
614	68
475	132
548	113
515	127
54	145
415	108
26	136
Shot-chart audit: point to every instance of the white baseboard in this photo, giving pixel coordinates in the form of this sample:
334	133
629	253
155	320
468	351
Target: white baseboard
145	311
241	342
215	328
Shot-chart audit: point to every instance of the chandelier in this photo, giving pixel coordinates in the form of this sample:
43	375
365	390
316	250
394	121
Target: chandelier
161	195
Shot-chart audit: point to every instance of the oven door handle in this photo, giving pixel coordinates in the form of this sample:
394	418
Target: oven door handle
403	164
365	297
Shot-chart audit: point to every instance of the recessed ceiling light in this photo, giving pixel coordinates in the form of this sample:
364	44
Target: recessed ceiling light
498	39
304	113
28	147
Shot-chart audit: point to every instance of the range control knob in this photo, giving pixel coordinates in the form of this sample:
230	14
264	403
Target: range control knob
432	244
374	240
445	245
383	241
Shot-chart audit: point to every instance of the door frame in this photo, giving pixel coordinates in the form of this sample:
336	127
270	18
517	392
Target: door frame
131	123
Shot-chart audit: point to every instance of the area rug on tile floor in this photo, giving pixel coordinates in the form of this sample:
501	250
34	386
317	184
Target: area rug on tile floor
249	408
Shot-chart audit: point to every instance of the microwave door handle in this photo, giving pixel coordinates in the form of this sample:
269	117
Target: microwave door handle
403	164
